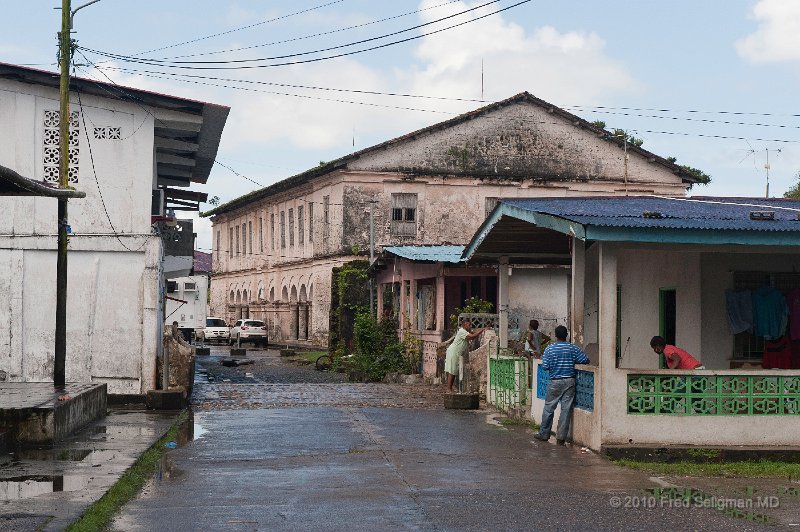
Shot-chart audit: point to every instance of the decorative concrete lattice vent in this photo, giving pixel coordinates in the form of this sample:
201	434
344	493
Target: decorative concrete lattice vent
50	147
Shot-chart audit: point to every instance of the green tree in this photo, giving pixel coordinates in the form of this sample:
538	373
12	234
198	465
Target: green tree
702	177
794	192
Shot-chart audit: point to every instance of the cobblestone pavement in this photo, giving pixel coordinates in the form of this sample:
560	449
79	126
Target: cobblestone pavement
272	382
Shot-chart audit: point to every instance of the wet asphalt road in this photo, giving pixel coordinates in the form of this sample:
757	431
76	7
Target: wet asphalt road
274	451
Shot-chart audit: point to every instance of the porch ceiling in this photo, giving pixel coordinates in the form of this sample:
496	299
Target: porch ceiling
523	243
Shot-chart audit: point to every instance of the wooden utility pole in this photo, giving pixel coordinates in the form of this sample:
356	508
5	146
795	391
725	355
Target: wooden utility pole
64	58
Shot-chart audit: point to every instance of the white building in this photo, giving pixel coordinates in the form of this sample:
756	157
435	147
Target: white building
133	153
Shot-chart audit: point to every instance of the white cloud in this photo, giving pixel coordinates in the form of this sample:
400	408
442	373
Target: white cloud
776	38
564	67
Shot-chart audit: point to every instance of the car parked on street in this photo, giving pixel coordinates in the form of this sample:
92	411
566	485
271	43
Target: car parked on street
254	331
216	330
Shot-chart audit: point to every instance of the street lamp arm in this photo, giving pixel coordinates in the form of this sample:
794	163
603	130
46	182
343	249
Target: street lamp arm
72	13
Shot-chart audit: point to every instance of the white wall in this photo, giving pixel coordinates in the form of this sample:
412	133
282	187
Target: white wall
541	294
641	273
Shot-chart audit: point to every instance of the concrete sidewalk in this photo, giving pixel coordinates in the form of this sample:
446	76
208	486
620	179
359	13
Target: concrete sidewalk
48	488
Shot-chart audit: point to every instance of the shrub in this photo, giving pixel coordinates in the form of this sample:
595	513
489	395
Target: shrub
377	348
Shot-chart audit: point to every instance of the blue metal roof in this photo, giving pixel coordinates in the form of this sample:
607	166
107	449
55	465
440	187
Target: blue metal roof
695	220
427	253
707	213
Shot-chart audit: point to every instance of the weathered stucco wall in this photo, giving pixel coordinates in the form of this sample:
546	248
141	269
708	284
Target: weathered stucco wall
541	294
521	141
112	314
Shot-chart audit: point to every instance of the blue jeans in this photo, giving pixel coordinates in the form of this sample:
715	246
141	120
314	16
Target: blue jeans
558	391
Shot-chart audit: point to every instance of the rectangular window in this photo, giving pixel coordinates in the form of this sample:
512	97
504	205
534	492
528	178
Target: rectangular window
291	227
230	243
260	235
272	230
310	221
250	235
404	214
300	226
326	220
283	229
218	237
244	238
237	239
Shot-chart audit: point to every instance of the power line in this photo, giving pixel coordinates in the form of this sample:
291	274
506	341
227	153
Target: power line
368	104
299	54
294	39
180	76
314	60
241	28
153	74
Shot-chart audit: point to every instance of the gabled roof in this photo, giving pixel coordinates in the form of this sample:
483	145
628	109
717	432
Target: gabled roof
185	150
13	184
450	254
696	220
523	97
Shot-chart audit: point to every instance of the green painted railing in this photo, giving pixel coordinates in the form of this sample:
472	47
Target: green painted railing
714	395
508	381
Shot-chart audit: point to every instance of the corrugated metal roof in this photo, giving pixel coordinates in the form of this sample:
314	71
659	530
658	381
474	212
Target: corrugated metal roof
642	212
427	253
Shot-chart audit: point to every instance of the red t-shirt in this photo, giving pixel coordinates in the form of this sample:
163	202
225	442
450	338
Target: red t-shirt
685	360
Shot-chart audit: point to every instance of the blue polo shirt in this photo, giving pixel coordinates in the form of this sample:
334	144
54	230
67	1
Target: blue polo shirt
559	359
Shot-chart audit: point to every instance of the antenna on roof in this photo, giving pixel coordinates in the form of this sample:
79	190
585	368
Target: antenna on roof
766	164
481	78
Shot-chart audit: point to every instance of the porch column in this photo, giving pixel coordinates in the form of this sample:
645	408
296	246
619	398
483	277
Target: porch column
502	300
607	305
577	314
302	319
440	302
293	321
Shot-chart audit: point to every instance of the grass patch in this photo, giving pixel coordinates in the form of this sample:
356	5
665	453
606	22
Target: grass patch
99	515
747	469
513	422
307	357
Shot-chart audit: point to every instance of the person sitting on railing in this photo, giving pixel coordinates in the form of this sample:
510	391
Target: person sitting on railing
675	357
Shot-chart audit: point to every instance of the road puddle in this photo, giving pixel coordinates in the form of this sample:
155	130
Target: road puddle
29	486
736	507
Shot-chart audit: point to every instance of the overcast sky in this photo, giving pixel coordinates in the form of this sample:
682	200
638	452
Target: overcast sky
735	63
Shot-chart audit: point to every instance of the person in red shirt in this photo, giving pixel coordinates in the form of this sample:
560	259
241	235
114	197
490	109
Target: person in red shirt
676	357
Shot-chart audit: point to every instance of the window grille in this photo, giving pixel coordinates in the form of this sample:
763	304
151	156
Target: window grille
250	235
244	238
237	239
230	243
261	234
272	230
310	222
283	229
51	149
291	227
326	219
108	133
300	225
